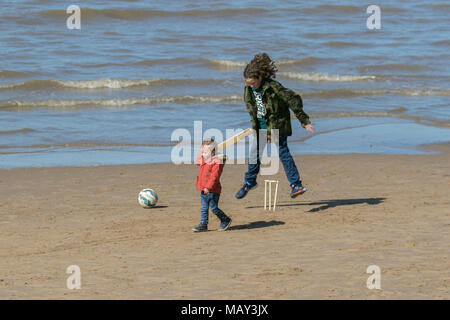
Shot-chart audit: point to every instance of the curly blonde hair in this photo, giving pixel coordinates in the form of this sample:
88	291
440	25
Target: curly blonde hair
261	65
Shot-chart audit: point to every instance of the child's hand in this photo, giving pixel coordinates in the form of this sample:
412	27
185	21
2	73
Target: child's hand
310	128
205	191
207	151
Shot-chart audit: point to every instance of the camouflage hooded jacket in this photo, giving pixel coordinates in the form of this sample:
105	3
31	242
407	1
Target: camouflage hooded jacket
277	100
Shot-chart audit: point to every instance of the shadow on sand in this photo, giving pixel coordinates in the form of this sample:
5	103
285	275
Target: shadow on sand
327	204
256	224
155	207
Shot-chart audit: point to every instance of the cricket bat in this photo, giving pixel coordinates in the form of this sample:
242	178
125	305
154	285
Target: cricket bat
234	139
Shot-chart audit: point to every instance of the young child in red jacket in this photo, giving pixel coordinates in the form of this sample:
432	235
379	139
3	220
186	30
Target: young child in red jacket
208	183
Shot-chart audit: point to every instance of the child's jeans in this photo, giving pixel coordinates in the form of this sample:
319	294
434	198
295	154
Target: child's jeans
211	200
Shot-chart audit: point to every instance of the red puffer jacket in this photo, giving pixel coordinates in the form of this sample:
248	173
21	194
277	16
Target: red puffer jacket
209	172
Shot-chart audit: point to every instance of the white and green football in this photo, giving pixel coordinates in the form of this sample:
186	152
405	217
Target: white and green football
147	198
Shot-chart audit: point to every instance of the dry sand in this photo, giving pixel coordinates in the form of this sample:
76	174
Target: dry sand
360	210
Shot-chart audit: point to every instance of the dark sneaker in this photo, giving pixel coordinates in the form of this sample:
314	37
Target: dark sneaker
297	190
244	190
201	227
225	224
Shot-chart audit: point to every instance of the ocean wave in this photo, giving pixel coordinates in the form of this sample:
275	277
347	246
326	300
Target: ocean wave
226	63
442	7
109	83
134	14
444	43
15	105
325	76
16	131
334	8
346	9
393	113
86	84
393	66
350	114
81	144
344	44
99	65
349	93
223	63
188	99
181	61
105	83
215	37
11	74
316	35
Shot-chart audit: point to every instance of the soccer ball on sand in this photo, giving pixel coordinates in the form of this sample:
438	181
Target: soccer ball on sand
147	198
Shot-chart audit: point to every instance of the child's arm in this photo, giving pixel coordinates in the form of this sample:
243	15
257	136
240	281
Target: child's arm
199	158
248	105
294	101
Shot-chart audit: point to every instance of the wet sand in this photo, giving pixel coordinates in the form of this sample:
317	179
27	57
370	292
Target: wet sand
360	210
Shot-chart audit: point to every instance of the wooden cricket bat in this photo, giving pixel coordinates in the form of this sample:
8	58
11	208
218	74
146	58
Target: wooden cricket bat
234	139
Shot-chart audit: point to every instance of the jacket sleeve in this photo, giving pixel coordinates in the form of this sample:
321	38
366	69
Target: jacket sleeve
294	101
249	107
216	172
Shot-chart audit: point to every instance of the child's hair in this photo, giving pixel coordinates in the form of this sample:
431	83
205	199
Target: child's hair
261	65
212	147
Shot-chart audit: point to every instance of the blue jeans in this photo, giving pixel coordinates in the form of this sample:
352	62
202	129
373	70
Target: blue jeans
211	200
288	164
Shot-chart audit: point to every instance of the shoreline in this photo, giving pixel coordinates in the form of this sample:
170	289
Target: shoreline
332	136
424	149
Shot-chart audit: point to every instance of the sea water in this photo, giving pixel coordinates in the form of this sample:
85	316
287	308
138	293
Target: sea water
114	91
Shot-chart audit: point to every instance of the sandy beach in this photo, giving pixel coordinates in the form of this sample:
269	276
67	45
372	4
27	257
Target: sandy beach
360	210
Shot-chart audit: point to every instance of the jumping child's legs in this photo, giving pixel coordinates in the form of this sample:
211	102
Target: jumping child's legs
254	162
252	173
288	163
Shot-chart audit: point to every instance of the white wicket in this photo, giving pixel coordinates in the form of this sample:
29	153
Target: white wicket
270	194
